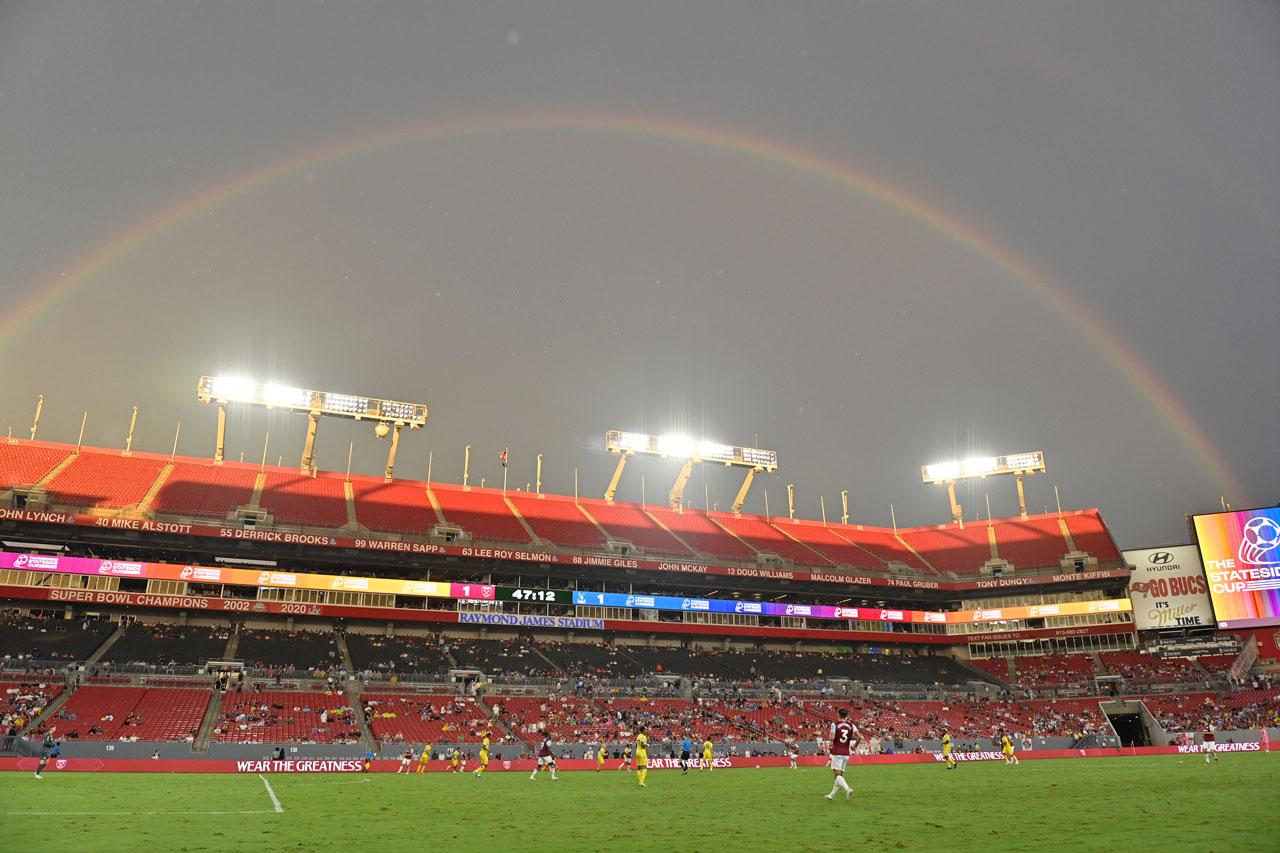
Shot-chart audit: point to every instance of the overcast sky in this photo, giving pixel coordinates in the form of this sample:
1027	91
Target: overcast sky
538	281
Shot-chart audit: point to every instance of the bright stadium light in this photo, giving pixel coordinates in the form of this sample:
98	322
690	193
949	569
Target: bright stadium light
693	451
389	416
1017	464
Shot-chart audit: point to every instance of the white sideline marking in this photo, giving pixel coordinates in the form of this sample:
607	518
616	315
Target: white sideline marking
134	814
275	801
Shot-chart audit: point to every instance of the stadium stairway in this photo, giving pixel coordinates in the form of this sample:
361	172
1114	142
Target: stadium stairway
670	532
107	643
344	651
212	714
55	471
144	505
353	690
554	666
233	645
533	537
496	721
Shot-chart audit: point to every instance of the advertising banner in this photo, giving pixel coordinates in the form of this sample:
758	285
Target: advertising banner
1241	555
1168	588
485	592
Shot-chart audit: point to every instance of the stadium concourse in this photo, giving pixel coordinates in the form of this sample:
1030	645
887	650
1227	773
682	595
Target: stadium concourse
168	606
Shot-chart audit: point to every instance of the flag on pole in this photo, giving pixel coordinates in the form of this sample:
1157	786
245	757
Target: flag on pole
502	456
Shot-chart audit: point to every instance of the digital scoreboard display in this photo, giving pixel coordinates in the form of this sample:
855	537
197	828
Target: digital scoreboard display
1241	555
521	593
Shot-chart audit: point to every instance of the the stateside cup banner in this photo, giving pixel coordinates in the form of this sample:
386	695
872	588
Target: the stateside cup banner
1241	555
1168	588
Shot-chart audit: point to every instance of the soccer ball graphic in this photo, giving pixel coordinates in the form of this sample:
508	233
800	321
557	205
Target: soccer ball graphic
1261	543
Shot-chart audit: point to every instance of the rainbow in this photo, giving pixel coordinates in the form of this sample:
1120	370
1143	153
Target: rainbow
1140	376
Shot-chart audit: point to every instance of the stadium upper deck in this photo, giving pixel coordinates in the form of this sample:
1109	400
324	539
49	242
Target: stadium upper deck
55	482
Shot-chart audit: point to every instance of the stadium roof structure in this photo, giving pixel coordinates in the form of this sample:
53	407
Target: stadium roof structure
44	480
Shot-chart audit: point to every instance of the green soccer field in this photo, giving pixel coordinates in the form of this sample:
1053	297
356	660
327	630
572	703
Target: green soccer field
1146	803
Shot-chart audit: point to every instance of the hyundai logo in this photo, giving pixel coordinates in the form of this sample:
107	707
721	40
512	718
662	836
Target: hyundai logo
1159	558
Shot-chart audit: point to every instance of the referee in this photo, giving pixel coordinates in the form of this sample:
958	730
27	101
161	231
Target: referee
686	748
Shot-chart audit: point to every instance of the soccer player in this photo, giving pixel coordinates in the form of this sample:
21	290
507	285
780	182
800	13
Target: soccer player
546	761
1006	746
49	748
686	750
642	756
706	754
484	755
1211	744
454	761
405	760
368	759
793	751
600	753
424	758
626	758
844	739
946	750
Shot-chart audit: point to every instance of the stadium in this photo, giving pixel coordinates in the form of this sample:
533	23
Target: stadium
280	630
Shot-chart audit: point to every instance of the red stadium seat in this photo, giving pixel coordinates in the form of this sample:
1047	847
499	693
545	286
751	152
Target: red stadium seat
556	519
481	512
630	523
27	464
104	480
205	490
396	507
702	535
304	501
1035	543
763	536
1092	536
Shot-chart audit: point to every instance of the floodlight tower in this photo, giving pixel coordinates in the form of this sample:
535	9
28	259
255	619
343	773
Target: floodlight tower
390	416
1017	464
628	444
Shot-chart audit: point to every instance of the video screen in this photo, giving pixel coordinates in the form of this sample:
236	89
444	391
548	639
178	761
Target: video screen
1241	555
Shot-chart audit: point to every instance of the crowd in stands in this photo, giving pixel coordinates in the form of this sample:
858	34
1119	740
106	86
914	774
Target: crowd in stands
287	717
22	702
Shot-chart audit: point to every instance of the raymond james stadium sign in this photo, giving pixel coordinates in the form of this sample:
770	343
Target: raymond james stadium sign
469	617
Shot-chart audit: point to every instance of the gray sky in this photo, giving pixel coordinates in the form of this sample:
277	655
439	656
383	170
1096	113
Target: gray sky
536	286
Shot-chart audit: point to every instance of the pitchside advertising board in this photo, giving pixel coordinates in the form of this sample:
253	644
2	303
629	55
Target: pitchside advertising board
1168	588
1241	554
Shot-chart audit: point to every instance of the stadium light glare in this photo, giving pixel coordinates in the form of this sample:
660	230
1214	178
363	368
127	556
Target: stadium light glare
389	416
692	451
1017	464
675	445
233	389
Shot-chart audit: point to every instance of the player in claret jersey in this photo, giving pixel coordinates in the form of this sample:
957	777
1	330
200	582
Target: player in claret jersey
546	761
844	740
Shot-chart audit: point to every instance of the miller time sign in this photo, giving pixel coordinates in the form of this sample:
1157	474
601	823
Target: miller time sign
1168	588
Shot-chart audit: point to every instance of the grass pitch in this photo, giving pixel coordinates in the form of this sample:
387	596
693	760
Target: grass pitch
1144	803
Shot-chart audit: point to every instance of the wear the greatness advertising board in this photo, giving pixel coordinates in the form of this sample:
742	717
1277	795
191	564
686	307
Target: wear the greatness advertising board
1168	589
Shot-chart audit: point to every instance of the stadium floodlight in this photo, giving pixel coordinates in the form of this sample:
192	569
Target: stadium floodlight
1017	464
389	416
693	451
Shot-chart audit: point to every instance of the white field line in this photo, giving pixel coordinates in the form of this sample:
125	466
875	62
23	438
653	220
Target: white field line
275	801
135	814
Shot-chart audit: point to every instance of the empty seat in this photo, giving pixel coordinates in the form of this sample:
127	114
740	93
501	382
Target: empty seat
305	501
205	490
481	512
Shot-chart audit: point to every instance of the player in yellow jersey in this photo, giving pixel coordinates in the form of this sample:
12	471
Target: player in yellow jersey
600	753
454	759
706	755
946	750
484	755
1006	746
424	758
642	756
